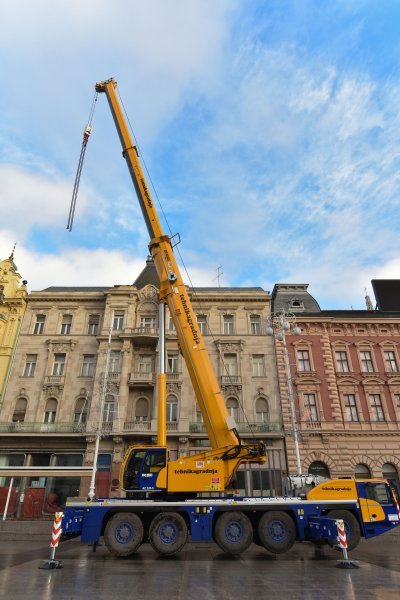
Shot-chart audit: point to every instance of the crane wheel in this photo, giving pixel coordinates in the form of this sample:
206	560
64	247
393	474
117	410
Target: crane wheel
233	532
276	531
351	526
168	533
123	534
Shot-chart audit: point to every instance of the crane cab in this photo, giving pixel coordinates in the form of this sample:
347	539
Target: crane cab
144	468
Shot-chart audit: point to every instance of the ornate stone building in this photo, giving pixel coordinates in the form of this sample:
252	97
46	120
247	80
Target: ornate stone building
59	379
12	307
345	371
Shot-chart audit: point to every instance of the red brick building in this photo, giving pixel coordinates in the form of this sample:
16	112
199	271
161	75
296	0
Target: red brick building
345	372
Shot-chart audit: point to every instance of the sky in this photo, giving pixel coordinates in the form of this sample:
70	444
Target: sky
270	130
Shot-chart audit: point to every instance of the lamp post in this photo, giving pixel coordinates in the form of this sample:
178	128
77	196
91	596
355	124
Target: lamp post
279	325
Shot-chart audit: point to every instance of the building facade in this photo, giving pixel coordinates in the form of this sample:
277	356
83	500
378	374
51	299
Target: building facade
12	307
345	373
69	376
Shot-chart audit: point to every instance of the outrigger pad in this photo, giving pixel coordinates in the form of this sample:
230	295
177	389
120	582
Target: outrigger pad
52	564
347	564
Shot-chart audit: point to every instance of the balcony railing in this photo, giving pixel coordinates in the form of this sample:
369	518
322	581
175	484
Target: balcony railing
141	378
172	426
137	426
231	379
267	427
34	427
146	335
54	380
173	376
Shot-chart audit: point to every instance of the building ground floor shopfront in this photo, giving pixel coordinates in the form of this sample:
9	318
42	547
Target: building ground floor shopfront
341	454
38	474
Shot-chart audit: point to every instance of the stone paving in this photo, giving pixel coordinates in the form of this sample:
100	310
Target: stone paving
200	572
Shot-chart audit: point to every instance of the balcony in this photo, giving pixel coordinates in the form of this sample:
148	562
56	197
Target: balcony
54	380
137	426
248	428
138	379
171	377
172	426
34	427
231	380
147	336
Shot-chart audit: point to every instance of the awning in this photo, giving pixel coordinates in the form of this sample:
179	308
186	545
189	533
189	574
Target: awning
45	471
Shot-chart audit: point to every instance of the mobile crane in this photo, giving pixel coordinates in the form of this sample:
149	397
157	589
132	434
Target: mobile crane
163	503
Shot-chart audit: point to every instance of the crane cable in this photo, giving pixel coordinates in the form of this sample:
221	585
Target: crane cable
86	134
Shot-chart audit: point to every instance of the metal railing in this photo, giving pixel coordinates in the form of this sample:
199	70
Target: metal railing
35	427
267	427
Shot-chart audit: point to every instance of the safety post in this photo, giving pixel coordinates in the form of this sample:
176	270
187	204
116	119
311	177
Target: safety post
51	563
345	562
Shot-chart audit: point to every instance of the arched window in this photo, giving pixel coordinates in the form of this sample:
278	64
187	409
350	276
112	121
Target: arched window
262	410
320	469
362	472
20	410
109	410
172	409
233	408
80	415
390	473
142	410
51	411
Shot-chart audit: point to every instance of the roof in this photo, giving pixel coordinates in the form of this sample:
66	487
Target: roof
148	276
54	288
387	294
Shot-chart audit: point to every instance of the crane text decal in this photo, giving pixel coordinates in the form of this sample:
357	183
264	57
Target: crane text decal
193	472
146	193
189	320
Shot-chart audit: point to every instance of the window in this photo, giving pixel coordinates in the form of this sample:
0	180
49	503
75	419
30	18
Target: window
39	324
379	493
93	325
148	322
20	410
142	410
303	359
262	410
50	411
58	365
30	365
109	410
310	403
258	365
87	369
341	361
362	472
255	324
66	325
145	363
228	324
366	361
118	321
320	469
202	323
390	361
114	361
230	364
170	323
80	414
351	407
233	408
173	363
172	409
377	413
199	416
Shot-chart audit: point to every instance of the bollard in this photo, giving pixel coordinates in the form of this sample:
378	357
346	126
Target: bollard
345	563
51	563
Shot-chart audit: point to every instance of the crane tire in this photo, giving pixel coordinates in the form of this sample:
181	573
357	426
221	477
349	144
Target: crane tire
233	532
123	533
351	526
168	533
276	531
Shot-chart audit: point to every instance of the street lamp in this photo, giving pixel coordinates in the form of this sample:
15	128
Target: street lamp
279	325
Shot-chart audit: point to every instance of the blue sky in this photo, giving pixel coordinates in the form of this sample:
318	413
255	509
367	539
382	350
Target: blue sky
270	128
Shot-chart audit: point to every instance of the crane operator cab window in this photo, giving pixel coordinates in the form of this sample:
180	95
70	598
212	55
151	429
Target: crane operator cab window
143	467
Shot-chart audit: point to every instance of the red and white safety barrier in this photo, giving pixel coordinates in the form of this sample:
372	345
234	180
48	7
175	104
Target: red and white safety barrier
56	532
342	539
55	538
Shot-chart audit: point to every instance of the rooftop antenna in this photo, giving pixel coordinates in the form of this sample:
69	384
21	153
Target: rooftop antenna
219	274
368	301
